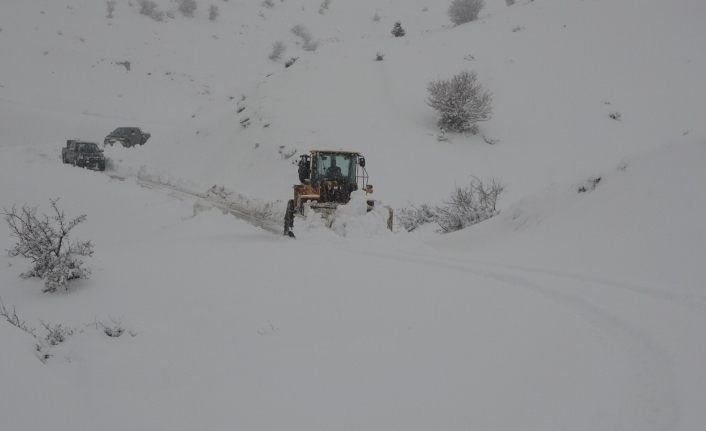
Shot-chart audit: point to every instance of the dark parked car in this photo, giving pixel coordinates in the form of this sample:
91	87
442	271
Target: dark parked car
127	137
84	154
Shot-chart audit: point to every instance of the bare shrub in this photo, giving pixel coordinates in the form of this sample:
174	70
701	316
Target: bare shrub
463	11
150	9
308	44
413	217
324	6
290	62
490	140
379	56
462	101
278	49
469	205
397	30
213	12
466	206
57	334
14	320
589	186
114	329
126	64
110	5
187	7
45	241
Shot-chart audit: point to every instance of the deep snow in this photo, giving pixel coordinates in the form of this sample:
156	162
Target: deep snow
569	310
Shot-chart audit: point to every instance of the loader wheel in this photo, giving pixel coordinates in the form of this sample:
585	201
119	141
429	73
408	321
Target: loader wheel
289	218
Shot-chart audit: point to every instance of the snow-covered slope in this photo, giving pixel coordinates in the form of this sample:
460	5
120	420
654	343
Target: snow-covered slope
557	69
569	310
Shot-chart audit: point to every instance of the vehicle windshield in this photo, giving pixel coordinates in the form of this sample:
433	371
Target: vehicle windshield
88	147
336	166
121	131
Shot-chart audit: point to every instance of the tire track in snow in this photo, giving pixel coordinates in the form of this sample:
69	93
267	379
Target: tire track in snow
692	302
234	208
655	383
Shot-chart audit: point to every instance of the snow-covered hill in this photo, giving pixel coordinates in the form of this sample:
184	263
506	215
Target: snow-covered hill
557	70
569	310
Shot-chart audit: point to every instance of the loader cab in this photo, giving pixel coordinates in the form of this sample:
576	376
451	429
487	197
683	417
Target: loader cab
340	166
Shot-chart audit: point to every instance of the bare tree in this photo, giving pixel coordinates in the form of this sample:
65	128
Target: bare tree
463	11
45	241
462	101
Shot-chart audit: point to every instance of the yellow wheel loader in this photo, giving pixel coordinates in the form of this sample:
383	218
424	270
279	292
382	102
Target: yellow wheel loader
327	180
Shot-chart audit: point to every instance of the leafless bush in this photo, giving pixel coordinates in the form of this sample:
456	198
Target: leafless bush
114	329
589	186
187	7
379	56
462	101
110	5
463	11
465	207
45	241
278	49
213	12
126	64
413	217
14	320
308	44
490	140
291	61
397	30
615	115
469	205
150	9
57	334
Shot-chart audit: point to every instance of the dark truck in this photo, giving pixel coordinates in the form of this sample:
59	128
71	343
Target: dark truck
84	154
127	137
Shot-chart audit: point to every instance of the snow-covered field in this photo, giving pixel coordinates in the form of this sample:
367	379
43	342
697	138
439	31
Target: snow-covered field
576	311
